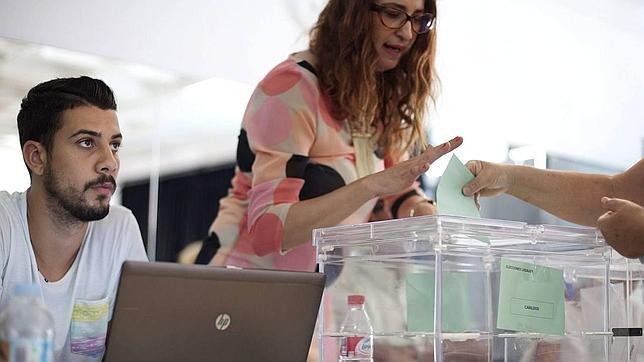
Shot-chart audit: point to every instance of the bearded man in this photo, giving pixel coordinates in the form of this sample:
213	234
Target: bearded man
62	234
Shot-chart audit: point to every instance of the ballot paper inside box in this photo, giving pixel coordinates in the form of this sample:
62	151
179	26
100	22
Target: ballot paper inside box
453	288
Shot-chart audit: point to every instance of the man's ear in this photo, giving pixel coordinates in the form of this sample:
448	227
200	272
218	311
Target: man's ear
35	157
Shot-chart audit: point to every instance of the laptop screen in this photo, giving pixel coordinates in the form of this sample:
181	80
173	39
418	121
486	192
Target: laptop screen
174	312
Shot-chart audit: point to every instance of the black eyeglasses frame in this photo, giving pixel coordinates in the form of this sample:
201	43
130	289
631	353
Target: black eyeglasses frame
409	18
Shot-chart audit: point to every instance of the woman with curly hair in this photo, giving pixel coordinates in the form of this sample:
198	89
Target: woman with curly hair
326	135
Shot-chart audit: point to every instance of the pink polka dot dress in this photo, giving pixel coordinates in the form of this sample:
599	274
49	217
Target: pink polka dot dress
290	149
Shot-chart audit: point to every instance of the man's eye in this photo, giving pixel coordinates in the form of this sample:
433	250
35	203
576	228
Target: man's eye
86	143
116	146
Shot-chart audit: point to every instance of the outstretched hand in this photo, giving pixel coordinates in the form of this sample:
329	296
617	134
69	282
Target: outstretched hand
404	174
623	226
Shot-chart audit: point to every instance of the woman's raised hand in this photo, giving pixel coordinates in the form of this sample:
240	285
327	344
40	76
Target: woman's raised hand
404	174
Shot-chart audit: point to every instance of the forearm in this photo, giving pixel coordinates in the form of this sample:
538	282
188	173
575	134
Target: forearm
569	195
323	211
330	209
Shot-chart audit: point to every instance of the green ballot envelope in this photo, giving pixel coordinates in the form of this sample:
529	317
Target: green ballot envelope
531	298
449	192
456	302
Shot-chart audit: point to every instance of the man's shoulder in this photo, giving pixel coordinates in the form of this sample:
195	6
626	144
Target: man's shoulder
10	203
12	222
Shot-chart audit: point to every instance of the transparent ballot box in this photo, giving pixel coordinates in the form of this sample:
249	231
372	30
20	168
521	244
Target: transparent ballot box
445	288
626	308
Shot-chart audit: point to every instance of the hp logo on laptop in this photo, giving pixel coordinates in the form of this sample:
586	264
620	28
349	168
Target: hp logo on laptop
222	322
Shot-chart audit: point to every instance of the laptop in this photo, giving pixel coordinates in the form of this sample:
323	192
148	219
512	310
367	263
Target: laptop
175	312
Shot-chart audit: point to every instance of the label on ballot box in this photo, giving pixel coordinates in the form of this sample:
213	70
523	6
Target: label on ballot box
531	298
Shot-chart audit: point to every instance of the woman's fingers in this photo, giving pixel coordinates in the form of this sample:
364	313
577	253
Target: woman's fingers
405	173
445	148
432	154
422	162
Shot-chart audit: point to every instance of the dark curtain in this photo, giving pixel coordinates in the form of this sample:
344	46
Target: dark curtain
188	204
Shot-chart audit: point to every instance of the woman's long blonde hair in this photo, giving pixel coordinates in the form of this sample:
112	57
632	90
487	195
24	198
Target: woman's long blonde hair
395	99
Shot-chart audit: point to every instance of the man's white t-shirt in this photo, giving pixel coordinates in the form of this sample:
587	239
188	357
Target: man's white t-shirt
82	301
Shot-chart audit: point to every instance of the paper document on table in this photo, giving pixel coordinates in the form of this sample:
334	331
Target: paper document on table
531	298
449	193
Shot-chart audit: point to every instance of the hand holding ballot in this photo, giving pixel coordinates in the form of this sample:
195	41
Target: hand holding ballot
623	226
491	179
612	203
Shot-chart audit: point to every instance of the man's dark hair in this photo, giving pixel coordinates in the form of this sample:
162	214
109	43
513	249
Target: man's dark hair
41	110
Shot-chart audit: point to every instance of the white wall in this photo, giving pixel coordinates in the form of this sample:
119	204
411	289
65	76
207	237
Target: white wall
565	75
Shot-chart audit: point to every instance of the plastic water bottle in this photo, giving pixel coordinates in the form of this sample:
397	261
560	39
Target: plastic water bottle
27	327
357	332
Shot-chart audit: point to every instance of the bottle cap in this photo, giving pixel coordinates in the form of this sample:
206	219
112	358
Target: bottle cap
356	299
26	290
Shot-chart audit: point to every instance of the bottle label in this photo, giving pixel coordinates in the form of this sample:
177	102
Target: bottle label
31	349
363	348
357	346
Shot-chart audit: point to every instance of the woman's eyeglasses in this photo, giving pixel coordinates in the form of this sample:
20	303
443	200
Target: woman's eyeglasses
394	18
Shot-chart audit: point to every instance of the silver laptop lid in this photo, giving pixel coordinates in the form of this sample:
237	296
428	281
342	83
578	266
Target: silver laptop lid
174	312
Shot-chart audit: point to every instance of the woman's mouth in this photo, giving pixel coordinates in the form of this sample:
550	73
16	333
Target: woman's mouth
393	50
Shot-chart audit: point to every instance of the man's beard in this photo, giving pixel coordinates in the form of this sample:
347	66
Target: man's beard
72	201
